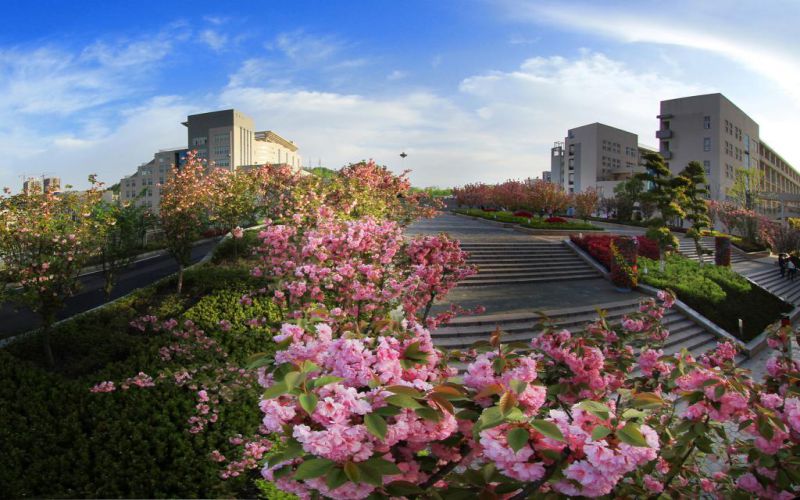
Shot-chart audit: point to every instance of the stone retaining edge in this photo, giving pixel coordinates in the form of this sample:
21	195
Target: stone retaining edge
699	319
588	259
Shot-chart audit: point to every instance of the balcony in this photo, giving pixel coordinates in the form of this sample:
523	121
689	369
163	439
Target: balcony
663	134
667	155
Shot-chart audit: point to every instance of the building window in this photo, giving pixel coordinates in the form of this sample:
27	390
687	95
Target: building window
707	144
707	122
199	141
707	166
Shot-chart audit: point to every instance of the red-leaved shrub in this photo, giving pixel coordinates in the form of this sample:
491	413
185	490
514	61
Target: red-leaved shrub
523	213
599	247
555	220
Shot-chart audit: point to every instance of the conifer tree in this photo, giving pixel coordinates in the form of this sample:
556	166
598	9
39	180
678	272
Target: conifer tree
664	192
692	195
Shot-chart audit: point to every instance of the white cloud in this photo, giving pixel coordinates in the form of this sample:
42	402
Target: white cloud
396	75
307	49
216	41
498	125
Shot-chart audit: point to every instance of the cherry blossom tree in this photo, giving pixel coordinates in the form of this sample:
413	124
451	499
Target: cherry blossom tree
184	210
45	241
586	202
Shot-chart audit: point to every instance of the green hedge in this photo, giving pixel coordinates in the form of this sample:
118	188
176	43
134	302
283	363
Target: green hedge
60	440
718	293
535	222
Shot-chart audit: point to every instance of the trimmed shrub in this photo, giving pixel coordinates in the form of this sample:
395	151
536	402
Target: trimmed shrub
718	293
523	213
555	220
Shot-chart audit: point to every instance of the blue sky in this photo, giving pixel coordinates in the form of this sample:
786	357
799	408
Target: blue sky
471	90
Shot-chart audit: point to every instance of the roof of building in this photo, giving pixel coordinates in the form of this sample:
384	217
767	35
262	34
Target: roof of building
270	136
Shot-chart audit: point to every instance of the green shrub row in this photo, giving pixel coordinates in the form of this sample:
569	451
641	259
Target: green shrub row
718	293
535	223
60	440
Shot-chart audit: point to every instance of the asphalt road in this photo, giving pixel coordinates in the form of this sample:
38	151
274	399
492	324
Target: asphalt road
14	320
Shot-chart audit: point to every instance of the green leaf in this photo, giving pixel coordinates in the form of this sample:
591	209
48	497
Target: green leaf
402	488
631	435
369	474
518	386
631	413
308	367
275	390
548	429
387	411
292	379
352	472
599	410
308	401
258	360
600	432
323	381
335	478
498	365
719	391
647	400
517	438
491	417
376	425
385	467
315	467
402	389
429	414
403	401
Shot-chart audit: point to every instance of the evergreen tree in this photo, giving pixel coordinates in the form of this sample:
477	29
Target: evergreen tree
664	192
692	195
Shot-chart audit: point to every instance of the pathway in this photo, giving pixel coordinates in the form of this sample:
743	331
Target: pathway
521	276
14	320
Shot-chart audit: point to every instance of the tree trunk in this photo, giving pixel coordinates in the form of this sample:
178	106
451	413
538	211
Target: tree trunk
180	278
662	263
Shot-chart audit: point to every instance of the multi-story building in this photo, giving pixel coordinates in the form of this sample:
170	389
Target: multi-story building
712	130
546	176
225	139
144	186
52	184
272	149
595	155
32	185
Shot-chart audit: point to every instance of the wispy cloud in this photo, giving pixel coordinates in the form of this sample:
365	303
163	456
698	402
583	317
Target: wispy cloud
304	48
215	40
396	75
776	62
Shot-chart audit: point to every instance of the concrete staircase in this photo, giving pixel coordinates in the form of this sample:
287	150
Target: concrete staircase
688	249
508	263
770	280
462	332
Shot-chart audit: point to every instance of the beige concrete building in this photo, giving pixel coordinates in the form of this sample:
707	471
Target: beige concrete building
144	187
272	149
713	130
595	155
225	139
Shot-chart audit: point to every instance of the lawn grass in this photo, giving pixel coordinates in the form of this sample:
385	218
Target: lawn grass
533	222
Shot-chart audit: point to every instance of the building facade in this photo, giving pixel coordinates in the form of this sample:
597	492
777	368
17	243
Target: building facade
224	139
143	188
712	130
595	156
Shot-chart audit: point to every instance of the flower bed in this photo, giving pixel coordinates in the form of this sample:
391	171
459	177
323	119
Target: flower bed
599	247
530	222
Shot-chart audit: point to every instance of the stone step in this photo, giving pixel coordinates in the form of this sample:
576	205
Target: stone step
517	253
493	246
502	318
560	271
537	279
527	265
517	269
